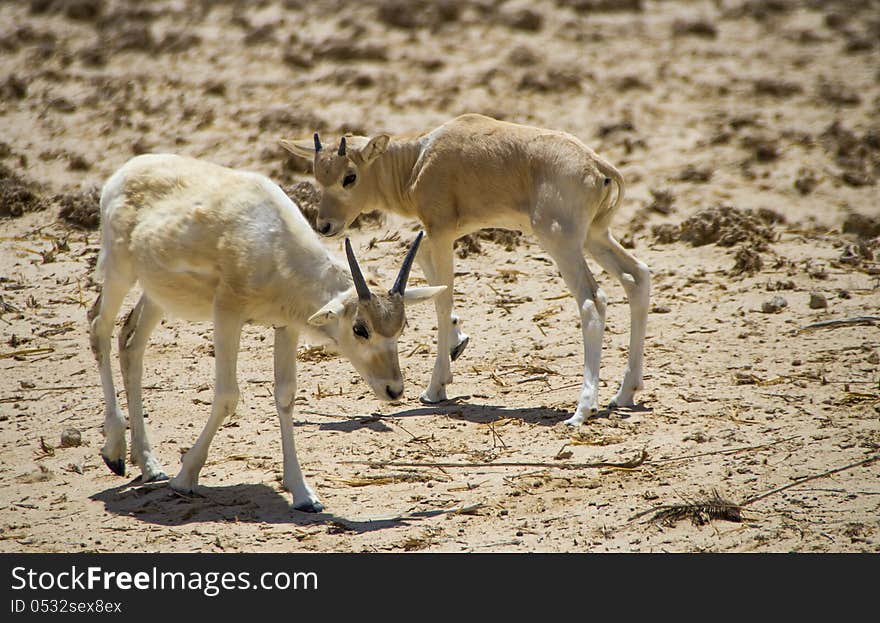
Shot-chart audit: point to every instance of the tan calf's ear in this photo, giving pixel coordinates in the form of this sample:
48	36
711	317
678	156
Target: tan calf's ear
304	148
375	148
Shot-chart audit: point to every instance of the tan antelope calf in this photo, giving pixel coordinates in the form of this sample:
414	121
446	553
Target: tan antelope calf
475	172
207	242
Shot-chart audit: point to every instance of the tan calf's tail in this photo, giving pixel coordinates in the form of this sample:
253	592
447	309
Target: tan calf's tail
604	214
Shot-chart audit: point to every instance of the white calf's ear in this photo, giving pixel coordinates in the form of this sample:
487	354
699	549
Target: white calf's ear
330	311
416	295
304	148
375	148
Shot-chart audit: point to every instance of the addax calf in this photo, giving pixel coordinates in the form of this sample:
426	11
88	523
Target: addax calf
475	172
207	242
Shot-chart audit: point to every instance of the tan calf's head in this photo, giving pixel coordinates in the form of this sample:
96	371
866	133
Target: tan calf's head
340	174
366	326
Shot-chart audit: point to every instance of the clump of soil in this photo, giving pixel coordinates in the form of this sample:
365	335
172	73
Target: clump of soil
549	81
524	19
85	10
602	6
861	225
307	196
340	49
777	88
17	194
764	148
747	261
726	226
470	244
858	156
662	201
666	233
696	28
837	94
806	181
695	174
82	208
408	15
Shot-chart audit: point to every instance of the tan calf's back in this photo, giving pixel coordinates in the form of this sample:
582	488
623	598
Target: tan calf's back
494	172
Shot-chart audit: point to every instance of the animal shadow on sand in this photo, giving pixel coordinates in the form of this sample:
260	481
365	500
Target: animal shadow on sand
157	503
458	408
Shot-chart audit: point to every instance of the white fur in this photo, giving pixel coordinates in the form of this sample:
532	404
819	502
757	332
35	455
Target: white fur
207	242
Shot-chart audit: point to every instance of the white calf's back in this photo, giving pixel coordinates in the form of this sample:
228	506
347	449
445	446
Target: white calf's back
187	228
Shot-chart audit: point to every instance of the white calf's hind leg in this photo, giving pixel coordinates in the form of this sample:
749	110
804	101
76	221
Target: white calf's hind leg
636	280
591	306
304	498
458	339
227	333
102	317
132	342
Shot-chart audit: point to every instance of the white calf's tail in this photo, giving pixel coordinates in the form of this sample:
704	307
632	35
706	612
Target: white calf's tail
111	190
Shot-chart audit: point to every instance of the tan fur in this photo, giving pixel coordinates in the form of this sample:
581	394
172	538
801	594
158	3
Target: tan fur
475	172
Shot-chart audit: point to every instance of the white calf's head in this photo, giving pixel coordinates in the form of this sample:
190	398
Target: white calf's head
341	174
366	326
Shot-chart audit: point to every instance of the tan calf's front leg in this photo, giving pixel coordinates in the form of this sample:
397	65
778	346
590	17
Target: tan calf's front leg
459	339
437	262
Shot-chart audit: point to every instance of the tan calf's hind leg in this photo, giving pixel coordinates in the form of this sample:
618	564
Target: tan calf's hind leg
591	307
636	280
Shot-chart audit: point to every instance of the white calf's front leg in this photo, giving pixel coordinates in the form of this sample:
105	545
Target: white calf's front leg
636	280
440	271
304	498
227	334
132	342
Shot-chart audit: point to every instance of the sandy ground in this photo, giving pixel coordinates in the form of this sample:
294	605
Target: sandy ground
768	108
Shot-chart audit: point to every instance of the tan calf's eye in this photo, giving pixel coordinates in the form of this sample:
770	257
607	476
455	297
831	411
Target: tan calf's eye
348	180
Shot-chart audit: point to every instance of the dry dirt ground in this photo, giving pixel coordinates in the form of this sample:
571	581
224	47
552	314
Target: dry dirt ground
749	135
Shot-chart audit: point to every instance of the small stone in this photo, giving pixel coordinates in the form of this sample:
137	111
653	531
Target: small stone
661	309
874	357
818	300
774	305
71	438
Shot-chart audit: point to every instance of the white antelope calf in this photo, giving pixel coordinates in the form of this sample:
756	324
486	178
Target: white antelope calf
207	242
475	172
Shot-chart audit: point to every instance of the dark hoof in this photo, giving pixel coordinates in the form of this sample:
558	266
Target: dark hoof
117	466
456	352
309	507
160	477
